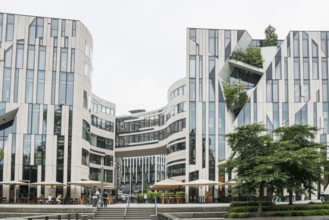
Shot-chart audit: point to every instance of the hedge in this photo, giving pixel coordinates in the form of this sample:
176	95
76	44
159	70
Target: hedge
236	215
238	204
302	213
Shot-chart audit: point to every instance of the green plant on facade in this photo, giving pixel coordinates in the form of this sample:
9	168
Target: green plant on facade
235	96
251	56
271	37
181	194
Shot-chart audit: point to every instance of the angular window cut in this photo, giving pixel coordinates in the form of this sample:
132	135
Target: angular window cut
192	34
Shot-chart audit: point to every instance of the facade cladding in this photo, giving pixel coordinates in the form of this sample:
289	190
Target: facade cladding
53	128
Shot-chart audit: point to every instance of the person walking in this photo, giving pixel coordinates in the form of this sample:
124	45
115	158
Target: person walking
105	195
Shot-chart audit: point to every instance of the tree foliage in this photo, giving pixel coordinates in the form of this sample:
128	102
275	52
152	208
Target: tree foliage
271	37
252	56
235	96
252	160
301	159
294	162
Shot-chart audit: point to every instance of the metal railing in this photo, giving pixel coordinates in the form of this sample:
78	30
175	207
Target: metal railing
96	208
126	209
68	216
156	207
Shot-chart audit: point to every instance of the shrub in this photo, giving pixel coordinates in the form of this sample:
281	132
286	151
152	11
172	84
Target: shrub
236	215
245	209
182	194
302	213
252	56
150	195
140	196
238	204
235	96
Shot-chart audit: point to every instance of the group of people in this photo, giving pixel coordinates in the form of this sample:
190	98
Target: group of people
105	197
59	199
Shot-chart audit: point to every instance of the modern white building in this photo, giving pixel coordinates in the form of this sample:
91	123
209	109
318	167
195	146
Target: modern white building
55	129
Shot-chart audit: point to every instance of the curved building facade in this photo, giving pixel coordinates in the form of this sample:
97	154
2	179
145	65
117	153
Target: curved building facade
53	128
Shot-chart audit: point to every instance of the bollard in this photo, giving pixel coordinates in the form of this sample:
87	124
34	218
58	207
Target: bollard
46	218
77	216
59	217
69	217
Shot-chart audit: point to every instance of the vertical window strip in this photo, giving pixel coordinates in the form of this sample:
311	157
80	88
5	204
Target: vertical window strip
16	85
54	27
72	60
40	86
63	28
6	85
10	27
74	28
29	86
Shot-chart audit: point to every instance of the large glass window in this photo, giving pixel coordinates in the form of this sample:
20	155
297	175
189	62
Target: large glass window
296	68
58	119
306	90
33	119
10	27
40	27
86	130
63	28
305	44
324	62
42	58
66	87
60	159
285	114
306	69
297	90
74	28
64	57
296	44
315	68
40	86
53	88
213	39
30	57
27	149
85	157
54	27
19	55
29	86
16	80
1	27
6	85
192	67
325	91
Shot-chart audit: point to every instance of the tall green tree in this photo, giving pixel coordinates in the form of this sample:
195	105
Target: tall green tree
252	160
271	37
300	158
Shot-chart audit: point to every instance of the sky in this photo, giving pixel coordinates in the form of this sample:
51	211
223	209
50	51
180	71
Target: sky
139	46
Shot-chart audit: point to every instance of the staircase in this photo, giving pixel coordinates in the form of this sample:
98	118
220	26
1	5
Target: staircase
142	213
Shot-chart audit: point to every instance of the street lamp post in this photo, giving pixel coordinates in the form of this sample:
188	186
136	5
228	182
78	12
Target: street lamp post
102	180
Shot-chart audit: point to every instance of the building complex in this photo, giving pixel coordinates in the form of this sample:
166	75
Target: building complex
54	129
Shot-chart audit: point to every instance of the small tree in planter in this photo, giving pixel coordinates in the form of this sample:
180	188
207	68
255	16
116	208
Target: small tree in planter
180	195
140	198
150	197
251	56
235	97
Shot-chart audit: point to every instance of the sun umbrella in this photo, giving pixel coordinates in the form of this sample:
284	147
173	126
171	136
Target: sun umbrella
90	183
202	182
230	183
49	183
13	182
167	184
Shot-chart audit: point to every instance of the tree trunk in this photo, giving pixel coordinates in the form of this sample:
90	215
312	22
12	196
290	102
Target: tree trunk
261	195
290	197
